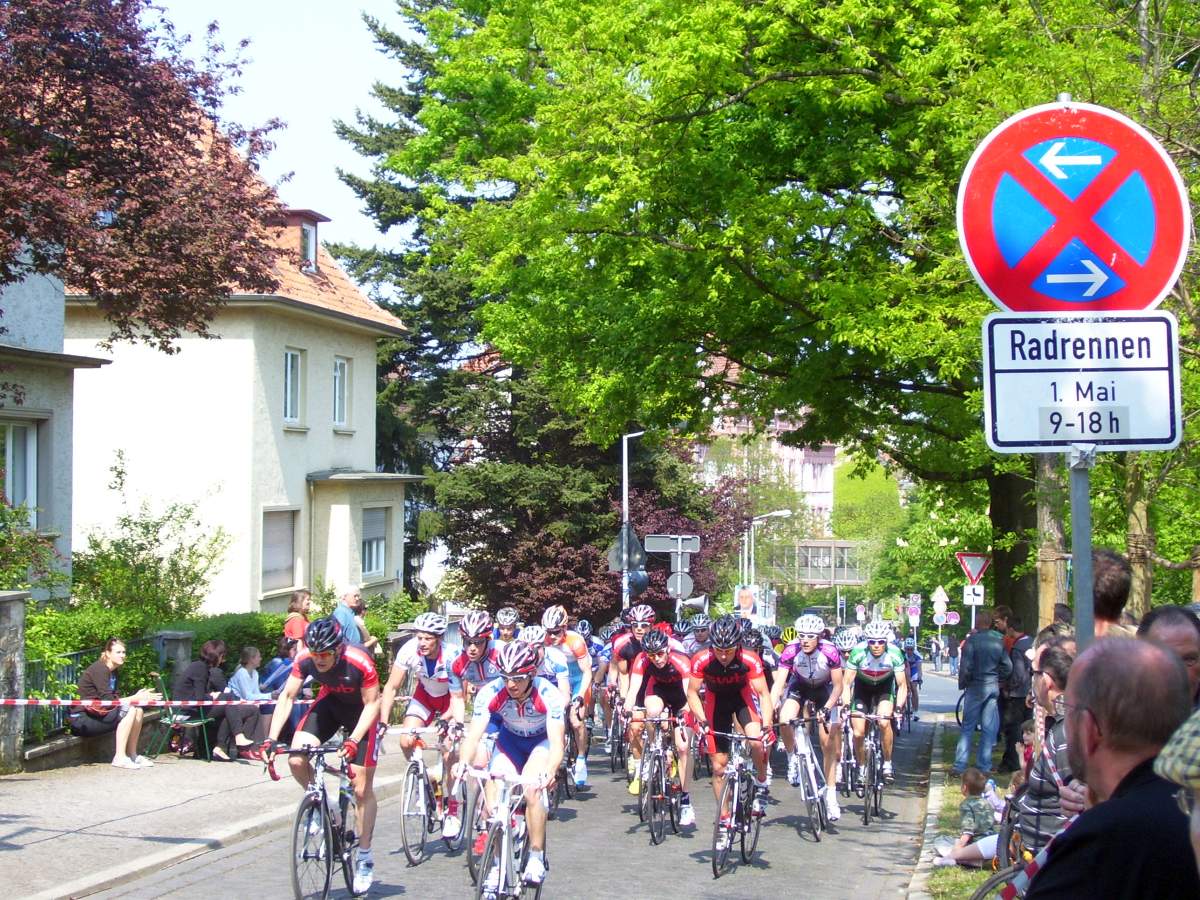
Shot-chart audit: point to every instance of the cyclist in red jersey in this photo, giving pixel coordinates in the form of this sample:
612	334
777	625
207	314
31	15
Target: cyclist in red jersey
349	699
732	678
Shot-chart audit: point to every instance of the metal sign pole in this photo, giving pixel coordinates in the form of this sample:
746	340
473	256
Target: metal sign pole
1081	458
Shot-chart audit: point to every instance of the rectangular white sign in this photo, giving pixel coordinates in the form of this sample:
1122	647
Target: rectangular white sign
1053	381
972	595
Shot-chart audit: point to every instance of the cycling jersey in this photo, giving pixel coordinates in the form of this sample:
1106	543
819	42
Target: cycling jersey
810	669
626	646
869	669
476	674
574	650
554	664
691	646
431	696
729	695
597	648
525	718
914	666
666	681
345	680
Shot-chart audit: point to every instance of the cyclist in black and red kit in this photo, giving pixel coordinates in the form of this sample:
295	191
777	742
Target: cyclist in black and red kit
733	678
626	647
349	699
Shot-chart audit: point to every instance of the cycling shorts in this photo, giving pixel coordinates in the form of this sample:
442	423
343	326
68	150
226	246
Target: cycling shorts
514	750
426	707
867	696
817	694
671	694
722	709
327	715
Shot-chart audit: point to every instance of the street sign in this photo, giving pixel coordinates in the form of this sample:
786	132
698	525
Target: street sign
939	619
914	599
1112	381
914	610
860	612
679	585
1075	209
672	543
913	621
939	606
952	618
973	564
972	595
637	556
940	595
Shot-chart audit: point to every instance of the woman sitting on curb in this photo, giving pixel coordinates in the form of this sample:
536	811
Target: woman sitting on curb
99	682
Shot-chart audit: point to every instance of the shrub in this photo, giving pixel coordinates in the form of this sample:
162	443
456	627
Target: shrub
28	559
237	630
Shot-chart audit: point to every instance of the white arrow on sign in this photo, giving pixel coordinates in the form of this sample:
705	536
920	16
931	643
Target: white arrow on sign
1054	163
1096	279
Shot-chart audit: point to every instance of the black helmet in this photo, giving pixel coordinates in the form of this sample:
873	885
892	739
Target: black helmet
654	641
682	629
745	626
724	634
323	635
753	640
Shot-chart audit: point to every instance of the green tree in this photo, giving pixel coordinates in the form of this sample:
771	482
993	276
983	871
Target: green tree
866	502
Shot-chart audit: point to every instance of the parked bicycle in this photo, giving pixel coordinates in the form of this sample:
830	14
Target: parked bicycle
323	832
737	796
812	778
422	805
506	850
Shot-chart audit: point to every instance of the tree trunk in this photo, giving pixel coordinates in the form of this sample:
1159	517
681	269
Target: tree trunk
1139	537
1052	537
1014	519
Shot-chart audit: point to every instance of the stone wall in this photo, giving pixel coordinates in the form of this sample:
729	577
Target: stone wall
12	677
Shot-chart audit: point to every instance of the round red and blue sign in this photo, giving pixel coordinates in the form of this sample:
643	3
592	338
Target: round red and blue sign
1073	208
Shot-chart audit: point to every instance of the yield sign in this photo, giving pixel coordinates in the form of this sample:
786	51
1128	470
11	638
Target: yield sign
1073	208
974	564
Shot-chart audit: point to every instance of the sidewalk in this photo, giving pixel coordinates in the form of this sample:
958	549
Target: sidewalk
72	832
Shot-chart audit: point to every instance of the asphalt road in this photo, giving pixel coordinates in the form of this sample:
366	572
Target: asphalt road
598	847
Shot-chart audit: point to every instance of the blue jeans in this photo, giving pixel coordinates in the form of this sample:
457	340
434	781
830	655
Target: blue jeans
981	705
954	665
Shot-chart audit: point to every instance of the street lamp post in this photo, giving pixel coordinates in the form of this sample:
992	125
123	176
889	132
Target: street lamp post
625	516
748	539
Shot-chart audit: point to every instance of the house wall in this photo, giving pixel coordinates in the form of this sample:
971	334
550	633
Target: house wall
33	314
184	424
337	533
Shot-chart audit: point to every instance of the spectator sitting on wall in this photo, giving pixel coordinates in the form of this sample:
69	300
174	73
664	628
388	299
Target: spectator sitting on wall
1111	577
204	679
1178	629
297	616
99	682
1124	701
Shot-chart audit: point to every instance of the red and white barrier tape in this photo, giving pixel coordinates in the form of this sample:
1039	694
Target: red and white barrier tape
101	704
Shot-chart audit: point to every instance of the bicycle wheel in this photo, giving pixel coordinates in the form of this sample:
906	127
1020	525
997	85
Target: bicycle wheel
723	833
459	795
997	882
643	802
530	891
1007	852
554	796
958	710
751	824
487	883
614	743
345	841
868	777
674	794
658	799
477	824
413	814
808	787
312	850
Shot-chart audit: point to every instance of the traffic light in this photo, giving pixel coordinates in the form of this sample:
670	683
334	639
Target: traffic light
638	581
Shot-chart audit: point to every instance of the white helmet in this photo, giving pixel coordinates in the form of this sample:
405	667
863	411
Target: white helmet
877	631
532	634
476	624
431	623
810	624
844	639
642	615
554	617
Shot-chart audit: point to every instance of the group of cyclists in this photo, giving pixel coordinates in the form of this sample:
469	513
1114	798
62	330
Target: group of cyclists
527	685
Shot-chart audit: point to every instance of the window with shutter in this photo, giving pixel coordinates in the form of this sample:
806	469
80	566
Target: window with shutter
279	550
374	541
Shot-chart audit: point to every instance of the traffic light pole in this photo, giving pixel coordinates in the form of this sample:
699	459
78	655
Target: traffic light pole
625	594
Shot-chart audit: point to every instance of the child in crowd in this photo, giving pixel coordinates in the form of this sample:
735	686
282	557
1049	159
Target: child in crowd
977	842
1025	748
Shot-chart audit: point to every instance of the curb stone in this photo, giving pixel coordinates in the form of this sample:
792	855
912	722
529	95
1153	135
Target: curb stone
94	882
918	887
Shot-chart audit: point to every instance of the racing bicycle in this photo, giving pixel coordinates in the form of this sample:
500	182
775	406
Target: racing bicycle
737	795
506	850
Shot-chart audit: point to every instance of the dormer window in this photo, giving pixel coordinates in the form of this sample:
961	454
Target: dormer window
305	221
308	246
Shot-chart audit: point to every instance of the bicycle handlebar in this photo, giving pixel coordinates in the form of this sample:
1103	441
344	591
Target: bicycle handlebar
309	750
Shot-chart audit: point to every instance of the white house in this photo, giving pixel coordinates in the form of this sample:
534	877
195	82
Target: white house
270	428
37	408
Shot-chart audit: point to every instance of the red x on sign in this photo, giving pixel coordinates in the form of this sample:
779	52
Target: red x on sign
1073	208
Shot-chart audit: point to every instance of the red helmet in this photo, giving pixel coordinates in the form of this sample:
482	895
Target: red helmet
516	658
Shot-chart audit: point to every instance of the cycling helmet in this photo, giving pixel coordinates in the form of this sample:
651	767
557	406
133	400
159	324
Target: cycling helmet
626	616
554	617
772	632
682	629
654	641
700	620
584	627
323	635
606	633
532	634
810	624
516	658
431	623
507	616
877	631
641	615
724	633
909	644
788	635
844	639
745	626
476	624
753	640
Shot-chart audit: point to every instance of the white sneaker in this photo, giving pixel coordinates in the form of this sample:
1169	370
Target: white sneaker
837	774
450	826
887	770
687	815
144	762
581	772
722	840
832	810
793	773
364	876
535	870
315	823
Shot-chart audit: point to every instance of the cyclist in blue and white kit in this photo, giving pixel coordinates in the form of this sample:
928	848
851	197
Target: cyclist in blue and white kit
529	711
552	662
915	676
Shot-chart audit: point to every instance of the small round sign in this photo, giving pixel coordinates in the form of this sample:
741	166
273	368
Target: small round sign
952	618
914	611
939	618
913	620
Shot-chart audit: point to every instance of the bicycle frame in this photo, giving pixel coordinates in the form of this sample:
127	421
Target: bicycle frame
506	825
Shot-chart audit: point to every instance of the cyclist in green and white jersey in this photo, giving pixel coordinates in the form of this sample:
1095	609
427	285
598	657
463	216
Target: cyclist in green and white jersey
875	683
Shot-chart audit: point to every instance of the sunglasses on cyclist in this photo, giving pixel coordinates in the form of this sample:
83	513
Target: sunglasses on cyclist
477	642
876	643
555	631
517	679
808	637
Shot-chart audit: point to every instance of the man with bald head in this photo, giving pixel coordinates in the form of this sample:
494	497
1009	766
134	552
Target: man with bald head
1177	629
1124	700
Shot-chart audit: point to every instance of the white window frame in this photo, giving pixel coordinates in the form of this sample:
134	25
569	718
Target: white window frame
341	392
271	555
373	558
12	435
293	385
308	247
